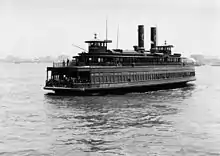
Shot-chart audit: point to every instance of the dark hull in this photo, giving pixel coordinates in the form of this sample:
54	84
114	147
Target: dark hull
118	90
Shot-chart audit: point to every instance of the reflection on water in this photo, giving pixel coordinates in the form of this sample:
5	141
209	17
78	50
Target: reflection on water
181	121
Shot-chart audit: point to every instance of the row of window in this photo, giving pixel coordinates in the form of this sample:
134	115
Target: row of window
134	77
155	60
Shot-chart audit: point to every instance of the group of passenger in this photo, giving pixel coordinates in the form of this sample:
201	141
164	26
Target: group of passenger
66	63
66	82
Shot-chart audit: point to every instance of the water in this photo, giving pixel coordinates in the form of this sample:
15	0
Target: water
184	121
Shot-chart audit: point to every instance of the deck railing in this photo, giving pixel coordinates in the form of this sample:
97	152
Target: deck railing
57	64
73	63
64	64
61	64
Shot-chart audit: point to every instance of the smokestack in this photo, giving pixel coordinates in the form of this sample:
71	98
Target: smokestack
141	36
153	37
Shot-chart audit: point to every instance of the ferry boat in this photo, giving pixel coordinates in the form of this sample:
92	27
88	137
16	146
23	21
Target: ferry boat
102	69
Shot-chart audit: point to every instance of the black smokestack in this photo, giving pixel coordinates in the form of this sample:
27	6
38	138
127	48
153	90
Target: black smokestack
153	37
141	36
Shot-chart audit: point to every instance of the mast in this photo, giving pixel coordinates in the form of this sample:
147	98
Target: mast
106	33
157	35
117	37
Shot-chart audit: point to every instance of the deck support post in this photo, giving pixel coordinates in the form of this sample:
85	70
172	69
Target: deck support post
47	75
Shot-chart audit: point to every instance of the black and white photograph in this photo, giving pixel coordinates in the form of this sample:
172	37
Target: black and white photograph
109	78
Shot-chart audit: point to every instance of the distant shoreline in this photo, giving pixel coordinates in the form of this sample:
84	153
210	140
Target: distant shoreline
22	62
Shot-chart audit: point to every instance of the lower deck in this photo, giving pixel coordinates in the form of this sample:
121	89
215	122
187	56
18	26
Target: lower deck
148	85
93	79
123	88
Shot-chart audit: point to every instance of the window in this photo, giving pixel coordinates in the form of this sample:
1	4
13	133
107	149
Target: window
116	77
146	78
112	78
101	79
108	78
96	79
143	76
120	78
124	78
104	79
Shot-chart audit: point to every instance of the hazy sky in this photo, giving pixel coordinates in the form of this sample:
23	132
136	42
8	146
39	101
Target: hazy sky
31	28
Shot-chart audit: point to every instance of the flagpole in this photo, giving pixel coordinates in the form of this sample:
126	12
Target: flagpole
117	36
106	33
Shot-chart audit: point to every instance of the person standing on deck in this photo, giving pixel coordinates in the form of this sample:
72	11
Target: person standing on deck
67	62
63	63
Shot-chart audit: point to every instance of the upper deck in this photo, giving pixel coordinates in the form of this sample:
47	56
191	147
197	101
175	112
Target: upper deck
99	55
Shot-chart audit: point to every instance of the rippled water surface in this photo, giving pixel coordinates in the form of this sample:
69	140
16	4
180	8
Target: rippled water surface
184	121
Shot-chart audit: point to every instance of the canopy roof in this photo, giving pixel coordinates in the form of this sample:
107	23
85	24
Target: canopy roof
98	41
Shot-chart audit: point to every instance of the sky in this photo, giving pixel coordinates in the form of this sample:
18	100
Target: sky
33	28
